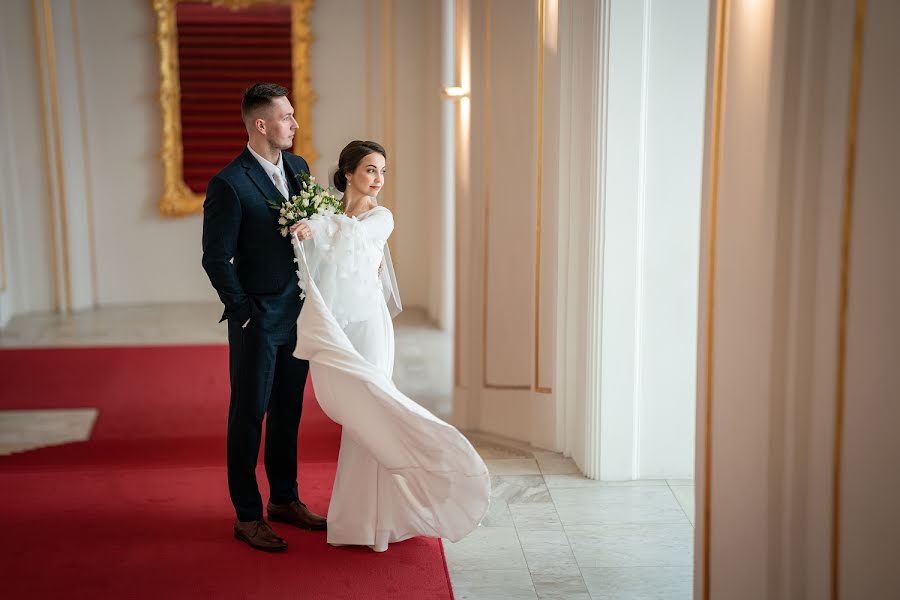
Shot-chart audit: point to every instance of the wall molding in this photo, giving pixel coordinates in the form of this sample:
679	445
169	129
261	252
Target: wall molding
640	260
715	153
86	154
859	16
487	210
541	38
596	240
39	54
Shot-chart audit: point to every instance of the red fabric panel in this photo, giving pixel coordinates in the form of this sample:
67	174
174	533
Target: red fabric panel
220	54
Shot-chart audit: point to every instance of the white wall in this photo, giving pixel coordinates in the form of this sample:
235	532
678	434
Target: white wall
415	162
341	112
142	257
670	236
803	404
498	195
515	379
511	181
656	82
508	224
26	172
870	485
621	229
6	195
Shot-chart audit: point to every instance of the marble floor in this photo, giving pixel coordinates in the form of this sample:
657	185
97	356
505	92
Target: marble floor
550	533
24	430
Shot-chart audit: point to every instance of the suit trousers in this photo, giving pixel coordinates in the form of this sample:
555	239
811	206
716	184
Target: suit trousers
266	382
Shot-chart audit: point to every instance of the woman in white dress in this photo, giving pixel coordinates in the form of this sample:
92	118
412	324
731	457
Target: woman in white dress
401	471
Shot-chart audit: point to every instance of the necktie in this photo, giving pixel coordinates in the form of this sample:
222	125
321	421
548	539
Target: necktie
280	183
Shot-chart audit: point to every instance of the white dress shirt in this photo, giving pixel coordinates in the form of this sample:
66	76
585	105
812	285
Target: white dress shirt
274	171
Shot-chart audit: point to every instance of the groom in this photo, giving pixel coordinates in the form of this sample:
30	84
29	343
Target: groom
252	268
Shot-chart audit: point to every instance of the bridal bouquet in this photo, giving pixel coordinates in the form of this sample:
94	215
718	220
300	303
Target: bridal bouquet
313	200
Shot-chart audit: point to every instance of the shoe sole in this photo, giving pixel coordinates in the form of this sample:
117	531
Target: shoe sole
241	538
278	519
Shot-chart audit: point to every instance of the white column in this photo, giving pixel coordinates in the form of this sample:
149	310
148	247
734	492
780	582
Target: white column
669	237
630	197
586	210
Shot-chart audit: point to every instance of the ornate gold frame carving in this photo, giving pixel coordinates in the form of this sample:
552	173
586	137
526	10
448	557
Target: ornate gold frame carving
177	199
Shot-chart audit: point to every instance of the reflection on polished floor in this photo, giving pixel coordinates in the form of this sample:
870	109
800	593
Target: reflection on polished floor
550	533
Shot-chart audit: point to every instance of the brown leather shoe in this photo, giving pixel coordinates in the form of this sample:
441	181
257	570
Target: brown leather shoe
259	535
297	515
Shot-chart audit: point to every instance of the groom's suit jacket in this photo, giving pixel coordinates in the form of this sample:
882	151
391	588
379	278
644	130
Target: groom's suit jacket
249	263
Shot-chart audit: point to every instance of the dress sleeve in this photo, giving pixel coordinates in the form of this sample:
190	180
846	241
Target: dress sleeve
379	224
342	256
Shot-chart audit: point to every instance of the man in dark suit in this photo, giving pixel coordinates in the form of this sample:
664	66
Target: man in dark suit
251	266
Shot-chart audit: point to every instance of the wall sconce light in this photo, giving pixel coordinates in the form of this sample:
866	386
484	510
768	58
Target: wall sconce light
455	93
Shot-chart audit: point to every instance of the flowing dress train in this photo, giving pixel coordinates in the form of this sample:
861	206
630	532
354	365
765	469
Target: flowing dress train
401	471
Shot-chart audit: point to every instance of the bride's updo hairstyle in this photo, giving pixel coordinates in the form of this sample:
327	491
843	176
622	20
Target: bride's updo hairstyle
351	156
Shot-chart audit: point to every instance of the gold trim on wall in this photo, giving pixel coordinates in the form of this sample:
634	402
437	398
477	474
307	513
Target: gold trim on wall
716	156
487	203
302	39
177	199
58	304
57	154
457	161
540	196
51	223
85	152
846	239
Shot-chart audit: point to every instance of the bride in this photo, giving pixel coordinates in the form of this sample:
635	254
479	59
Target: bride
401	471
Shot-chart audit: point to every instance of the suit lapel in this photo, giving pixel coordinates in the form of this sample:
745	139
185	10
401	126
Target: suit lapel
258	175
292	170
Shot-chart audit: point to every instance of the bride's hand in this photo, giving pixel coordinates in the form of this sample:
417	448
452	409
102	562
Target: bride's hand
302	230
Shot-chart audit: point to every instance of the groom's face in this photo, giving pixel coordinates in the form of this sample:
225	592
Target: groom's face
280	124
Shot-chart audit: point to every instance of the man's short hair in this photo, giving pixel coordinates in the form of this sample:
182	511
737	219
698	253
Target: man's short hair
259	96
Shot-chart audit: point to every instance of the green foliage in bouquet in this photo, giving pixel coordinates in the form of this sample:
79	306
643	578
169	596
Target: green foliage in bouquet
313	200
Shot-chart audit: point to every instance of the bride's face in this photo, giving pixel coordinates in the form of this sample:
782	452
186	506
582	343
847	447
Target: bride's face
368	178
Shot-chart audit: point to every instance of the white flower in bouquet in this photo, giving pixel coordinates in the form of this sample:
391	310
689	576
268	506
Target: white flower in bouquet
313	199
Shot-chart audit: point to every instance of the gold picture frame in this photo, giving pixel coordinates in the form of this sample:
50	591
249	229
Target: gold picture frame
177	198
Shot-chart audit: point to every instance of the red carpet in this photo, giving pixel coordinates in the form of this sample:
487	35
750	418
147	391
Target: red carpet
142	510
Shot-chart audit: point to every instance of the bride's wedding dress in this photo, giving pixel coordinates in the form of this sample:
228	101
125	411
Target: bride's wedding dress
401	471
